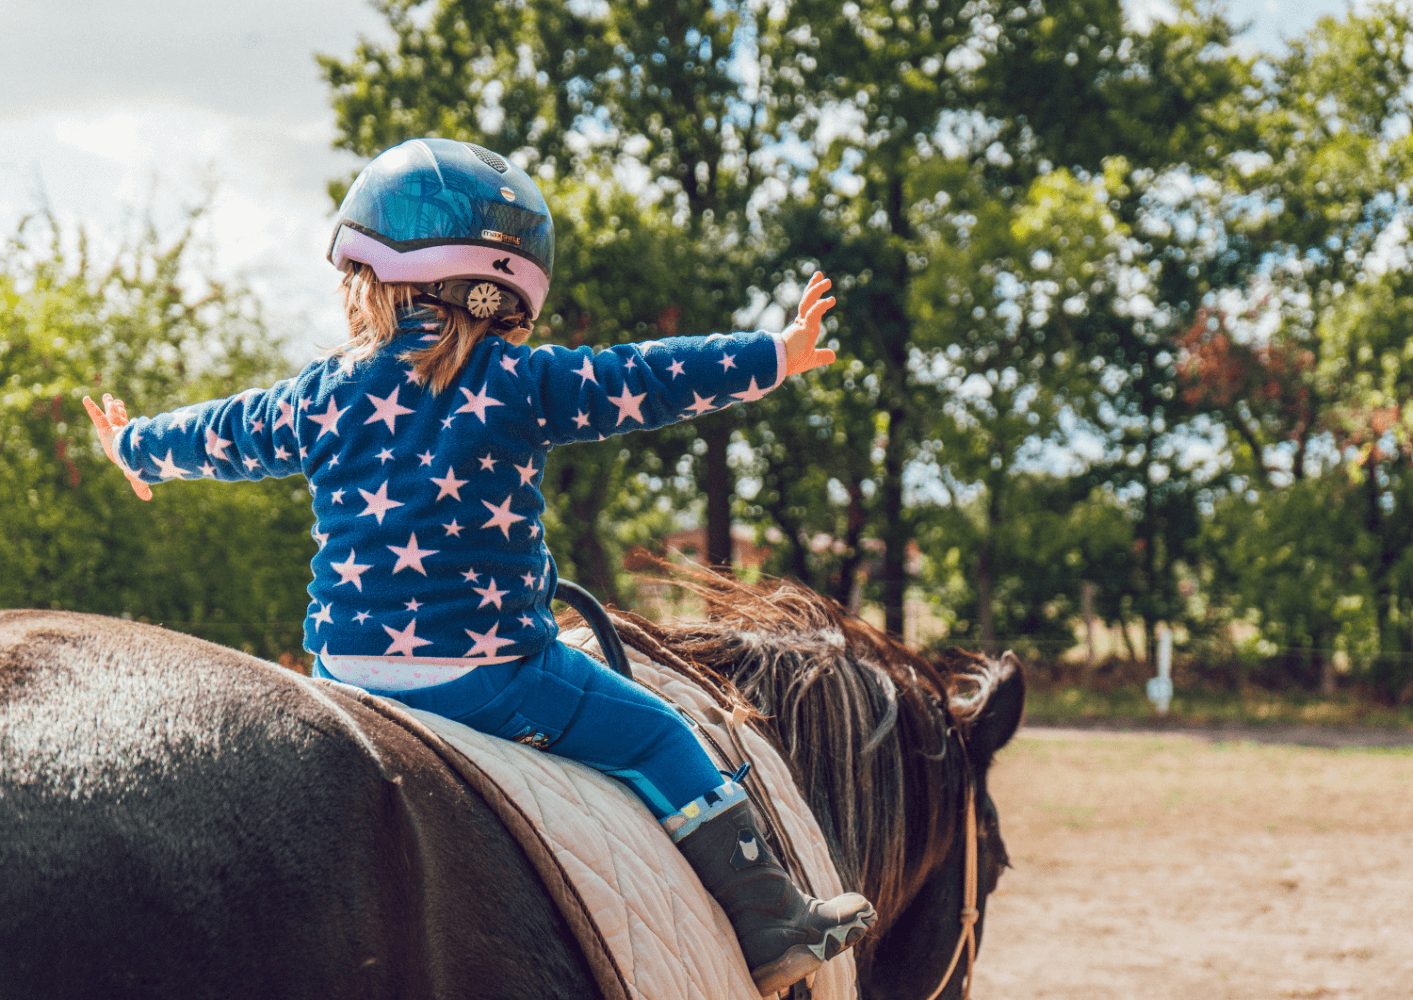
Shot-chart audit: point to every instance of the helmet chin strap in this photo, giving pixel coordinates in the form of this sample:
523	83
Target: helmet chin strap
481	298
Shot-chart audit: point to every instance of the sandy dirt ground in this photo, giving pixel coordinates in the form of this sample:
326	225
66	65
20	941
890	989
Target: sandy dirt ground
1177	866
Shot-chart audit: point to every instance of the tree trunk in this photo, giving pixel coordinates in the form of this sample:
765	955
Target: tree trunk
895	529
985	596
846	584
719	488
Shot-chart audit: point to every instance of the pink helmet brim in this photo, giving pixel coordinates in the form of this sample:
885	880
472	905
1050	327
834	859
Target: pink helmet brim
450	260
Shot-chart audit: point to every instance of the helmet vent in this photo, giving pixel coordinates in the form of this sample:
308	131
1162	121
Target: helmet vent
488	158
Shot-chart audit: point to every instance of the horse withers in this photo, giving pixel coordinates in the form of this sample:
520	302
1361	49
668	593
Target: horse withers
181	820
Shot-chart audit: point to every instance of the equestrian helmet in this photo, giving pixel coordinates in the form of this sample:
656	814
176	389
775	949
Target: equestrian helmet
462	223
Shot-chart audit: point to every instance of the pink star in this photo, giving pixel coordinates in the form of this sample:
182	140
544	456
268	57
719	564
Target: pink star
378	503
488	463
479	403
333	461
282	453
446	423
387	409
216	445
487	643
501	517
509	363
449	486
675	368
701	404
413	377
256	426
527	621
630	406
452	528
581	419
630	364
168	469
529	579
303	405
728	361
384	455
303	452
425	458
323	616
413	605
250	463
404	641
320	536
286	417
336	496
410	556
586	372
753	392
527	472
351	571
470	576
490	595
361	617
208	470
329	419
534	531
180	419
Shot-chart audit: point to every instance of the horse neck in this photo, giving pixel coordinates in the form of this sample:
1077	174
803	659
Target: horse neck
880	775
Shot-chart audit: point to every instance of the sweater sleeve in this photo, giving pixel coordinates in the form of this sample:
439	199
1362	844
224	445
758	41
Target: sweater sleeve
582	395
251	435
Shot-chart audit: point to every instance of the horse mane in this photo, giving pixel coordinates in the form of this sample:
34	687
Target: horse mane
862	719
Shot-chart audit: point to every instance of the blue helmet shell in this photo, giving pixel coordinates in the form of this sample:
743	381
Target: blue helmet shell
429	210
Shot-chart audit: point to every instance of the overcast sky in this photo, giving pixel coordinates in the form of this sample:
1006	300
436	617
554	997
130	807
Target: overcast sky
110	109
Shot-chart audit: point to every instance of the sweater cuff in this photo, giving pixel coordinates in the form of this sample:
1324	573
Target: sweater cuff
781	361
118	440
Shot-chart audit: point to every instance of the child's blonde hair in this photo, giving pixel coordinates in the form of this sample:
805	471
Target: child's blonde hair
372	307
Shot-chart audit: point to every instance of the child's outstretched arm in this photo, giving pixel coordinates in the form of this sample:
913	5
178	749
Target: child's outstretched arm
581	395
250	435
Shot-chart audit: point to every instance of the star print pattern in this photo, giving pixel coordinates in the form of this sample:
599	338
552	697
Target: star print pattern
428	506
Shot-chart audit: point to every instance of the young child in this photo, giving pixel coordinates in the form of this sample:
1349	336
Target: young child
424	439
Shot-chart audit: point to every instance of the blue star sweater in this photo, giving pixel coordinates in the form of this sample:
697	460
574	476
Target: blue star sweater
432	559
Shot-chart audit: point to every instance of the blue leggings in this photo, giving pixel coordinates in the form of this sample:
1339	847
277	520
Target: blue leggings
567	702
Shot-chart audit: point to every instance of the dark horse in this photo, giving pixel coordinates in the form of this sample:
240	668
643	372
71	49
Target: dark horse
181	820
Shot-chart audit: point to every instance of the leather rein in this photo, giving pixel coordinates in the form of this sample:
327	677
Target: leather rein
970	913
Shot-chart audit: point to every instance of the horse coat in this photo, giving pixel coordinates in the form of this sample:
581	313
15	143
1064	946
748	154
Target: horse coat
646	925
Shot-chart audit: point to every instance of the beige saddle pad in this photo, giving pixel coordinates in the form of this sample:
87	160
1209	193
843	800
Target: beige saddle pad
667	936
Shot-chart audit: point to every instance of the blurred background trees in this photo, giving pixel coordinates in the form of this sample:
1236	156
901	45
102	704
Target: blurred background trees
1121	322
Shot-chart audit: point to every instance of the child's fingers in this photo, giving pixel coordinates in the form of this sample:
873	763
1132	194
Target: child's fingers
823	356
99	418
143	491
817	311
812	293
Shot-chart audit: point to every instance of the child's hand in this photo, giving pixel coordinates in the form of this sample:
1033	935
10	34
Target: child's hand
108	421
800	336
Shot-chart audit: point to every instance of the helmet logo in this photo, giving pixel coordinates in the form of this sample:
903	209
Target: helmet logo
507	193
495	234
502	265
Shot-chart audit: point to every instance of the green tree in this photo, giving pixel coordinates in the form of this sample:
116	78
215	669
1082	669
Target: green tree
228	564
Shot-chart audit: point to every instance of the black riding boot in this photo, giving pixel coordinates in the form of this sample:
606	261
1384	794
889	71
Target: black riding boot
784	934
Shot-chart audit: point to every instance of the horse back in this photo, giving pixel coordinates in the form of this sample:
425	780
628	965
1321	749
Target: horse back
181	820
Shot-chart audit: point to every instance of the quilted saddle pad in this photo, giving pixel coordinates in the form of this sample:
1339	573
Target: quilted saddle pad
667	936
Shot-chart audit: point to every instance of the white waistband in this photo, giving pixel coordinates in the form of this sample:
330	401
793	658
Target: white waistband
402	673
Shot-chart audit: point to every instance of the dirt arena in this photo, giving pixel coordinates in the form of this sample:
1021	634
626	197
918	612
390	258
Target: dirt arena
1149	867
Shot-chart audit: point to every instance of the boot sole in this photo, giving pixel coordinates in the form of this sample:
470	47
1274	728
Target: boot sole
802	959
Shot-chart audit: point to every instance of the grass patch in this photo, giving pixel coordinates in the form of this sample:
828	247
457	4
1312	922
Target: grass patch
1069	704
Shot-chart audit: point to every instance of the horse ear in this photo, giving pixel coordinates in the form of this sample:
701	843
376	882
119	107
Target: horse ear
999	718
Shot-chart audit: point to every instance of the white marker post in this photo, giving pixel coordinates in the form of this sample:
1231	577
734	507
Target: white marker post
1160	688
